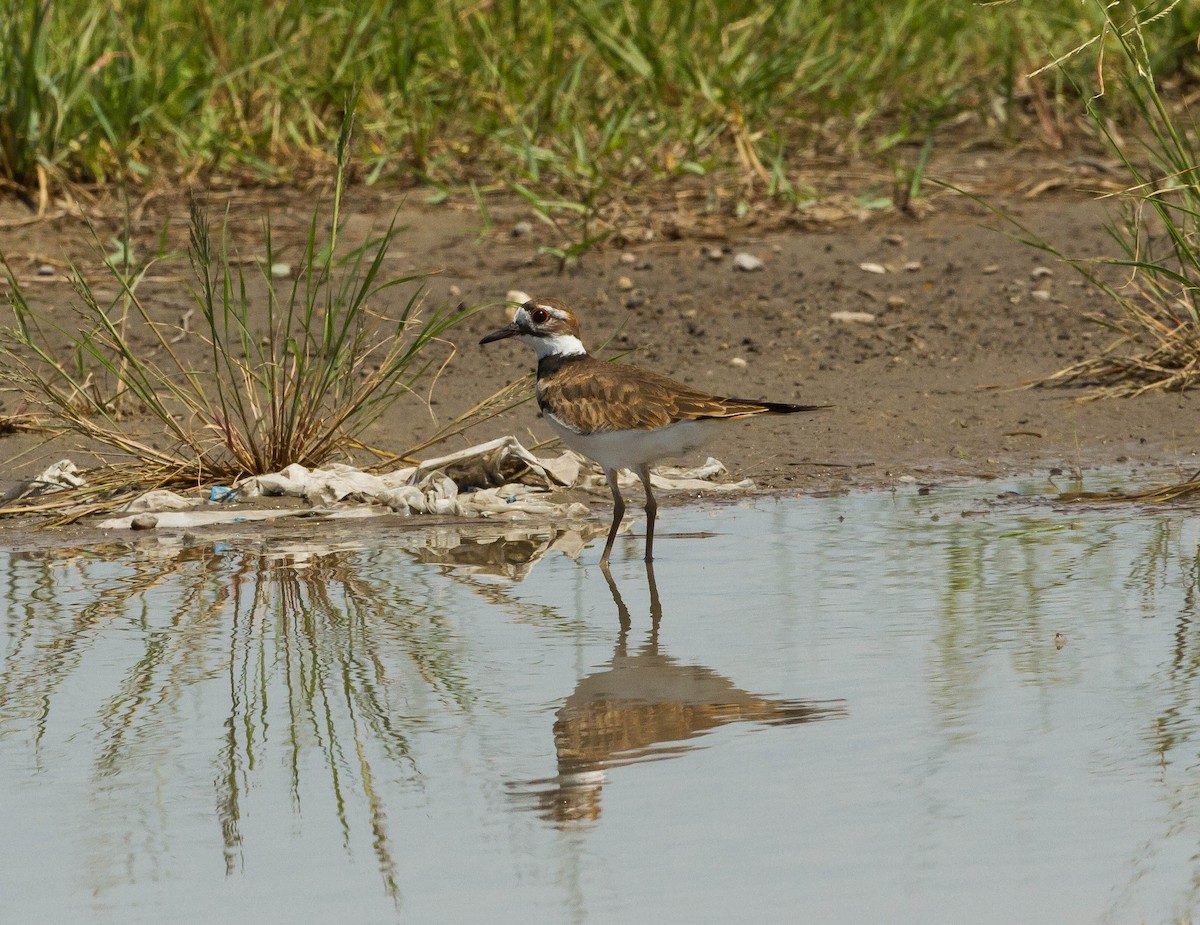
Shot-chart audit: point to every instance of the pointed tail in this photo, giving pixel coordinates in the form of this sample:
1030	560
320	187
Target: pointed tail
747	406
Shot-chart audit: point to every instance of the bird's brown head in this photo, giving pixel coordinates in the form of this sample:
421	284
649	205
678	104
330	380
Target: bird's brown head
547	325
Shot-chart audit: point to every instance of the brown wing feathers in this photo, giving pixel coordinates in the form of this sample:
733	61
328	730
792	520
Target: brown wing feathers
595	396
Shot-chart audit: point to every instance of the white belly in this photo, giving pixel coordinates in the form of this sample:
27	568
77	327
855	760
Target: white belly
629	449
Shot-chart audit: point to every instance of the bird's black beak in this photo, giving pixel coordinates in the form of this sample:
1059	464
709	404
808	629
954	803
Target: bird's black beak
509	330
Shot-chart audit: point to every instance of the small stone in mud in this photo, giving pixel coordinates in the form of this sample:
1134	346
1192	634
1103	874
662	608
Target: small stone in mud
143	522
894	239
852	317
45	269
738	363
455	292
624	283
1042	295
1039	272
520	229
634	299
627	257
872	267
991	268
714	253
747	262
895	301
912	266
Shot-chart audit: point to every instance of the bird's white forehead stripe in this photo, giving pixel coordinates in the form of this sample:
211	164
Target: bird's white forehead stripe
555	312
522	313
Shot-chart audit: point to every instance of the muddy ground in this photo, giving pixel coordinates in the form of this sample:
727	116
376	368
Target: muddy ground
959	307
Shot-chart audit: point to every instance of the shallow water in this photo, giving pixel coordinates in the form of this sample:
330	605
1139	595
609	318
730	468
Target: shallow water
839	710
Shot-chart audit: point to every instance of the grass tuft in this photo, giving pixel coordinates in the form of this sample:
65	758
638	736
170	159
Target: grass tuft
1156	222
329	359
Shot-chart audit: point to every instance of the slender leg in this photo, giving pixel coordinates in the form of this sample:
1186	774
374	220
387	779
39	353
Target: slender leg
651	510
618	513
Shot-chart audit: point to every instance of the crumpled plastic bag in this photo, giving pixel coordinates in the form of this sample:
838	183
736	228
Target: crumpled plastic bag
60	475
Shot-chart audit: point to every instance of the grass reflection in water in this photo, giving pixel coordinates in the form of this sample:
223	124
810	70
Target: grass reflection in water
325	671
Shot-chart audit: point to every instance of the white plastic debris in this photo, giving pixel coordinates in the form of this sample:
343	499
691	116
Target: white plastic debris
60	475
499	479
159	500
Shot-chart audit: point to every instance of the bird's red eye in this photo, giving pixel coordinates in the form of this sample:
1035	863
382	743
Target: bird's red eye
539	316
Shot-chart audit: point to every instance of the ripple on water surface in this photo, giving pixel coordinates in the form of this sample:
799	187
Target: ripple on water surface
844	709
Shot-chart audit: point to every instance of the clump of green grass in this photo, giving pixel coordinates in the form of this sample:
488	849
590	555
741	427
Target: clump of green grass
294	379
1155	222
590	103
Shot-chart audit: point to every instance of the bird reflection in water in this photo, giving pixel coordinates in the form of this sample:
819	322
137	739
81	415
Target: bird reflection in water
644	705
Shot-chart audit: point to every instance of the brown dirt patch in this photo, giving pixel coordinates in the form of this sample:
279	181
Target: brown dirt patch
956	309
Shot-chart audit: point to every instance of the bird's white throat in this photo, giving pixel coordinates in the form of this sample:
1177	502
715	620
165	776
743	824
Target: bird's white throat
556	345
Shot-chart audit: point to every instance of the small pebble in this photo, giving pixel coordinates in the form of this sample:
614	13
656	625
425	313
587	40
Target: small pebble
634	299
625	283
894	239
991	268
714	253
1039	272
143	522
1041	295
747	262
895	301
516	295
522	228
873	267
45	269
852	317
628	258
455	292
281	270
907	478
913	266
739	363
